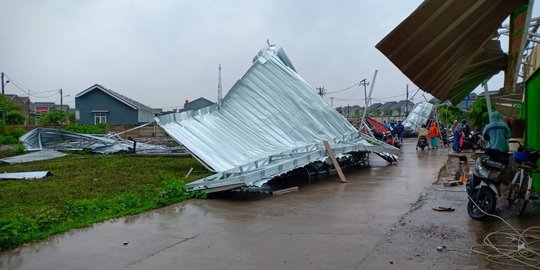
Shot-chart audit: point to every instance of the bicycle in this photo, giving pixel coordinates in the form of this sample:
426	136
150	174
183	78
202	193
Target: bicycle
521	186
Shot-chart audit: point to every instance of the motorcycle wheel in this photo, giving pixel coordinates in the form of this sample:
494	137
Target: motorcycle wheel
485	199
521	193
423	146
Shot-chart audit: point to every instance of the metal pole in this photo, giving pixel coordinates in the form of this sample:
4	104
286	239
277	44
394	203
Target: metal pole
332	102
407	103
61	100
488	101
2	83
362	123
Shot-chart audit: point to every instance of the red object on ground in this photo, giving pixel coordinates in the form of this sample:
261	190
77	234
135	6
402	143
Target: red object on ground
377	126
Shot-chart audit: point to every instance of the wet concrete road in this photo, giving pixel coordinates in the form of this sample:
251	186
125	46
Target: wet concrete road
366	223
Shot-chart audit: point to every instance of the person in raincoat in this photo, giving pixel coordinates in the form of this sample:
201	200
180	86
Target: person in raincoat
434	135
498	132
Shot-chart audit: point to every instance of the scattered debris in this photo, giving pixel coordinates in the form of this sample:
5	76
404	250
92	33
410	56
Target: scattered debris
452	183
285	190
444	209
50	138
24	175
441	248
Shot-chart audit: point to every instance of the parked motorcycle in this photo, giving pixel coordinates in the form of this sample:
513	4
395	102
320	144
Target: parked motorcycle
422	143
391	139
483	186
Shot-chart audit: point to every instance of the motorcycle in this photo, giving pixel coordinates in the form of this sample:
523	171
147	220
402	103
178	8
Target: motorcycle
483	186
422	143
390	138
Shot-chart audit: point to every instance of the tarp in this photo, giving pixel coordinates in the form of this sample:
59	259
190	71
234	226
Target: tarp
442	46
270	122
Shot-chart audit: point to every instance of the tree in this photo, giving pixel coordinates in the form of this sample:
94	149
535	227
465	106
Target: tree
478	115
56	117
6	107
448	113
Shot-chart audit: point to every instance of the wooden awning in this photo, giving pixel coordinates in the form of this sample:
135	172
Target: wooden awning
446	47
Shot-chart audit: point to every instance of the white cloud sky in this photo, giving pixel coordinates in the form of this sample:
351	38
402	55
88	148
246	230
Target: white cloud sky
163	52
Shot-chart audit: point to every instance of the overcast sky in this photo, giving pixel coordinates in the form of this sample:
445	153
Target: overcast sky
163	52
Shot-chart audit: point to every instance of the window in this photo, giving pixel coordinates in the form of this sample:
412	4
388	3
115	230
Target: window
100	118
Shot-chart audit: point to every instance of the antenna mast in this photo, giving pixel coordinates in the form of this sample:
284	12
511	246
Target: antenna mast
219	88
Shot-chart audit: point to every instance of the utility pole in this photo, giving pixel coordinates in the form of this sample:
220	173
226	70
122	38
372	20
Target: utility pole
407	103
3	84
365	83
61	100
332	102
321	91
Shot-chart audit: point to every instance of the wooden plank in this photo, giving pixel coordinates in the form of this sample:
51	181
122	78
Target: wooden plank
334	161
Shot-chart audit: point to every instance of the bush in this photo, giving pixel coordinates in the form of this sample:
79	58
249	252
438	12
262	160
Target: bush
15	118
84	129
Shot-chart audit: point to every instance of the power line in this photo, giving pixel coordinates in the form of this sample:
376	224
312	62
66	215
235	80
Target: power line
342	90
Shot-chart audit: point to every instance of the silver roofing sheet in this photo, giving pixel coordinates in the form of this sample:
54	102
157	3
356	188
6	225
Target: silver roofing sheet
33	156
24	175
270	112
419	115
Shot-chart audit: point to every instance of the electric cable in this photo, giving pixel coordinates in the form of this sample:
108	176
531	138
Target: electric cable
523	247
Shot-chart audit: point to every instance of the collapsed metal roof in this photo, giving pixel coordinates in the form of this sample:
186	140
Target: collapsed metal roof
270	122
51	138
444	47
419	116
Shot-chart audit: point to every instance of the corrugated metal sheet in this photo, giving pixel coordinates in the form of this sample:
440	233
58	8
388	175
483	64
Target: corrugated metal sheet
51	138
24	175
442	48
32	157
419	116
377	126
271	122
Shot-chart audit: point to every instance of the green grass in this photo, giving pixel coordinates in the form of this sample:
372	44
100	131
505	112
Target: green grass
85	189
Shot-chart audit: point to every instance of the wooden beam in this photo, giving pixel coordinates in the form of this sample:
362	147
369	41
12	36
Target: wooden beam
334	161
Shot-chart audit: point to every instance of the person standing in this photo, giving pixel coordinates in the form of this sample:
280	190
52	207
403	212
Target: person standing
434	135
400	130
466	128
457	130
498	132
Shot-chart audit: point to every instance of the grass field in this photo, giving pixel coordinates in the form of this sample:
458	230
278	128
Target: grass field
85	189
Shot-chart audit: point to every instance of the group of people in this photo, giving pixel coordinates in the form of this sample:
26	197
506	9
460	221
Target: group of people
460	131
397	129
498	133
